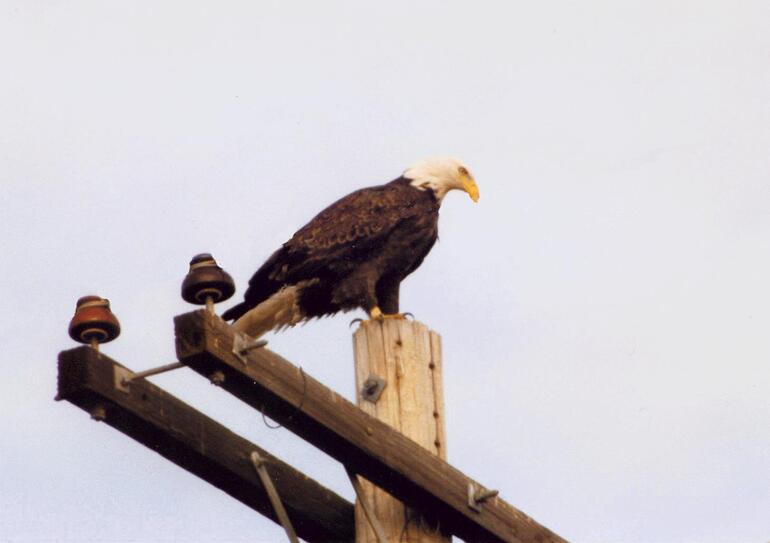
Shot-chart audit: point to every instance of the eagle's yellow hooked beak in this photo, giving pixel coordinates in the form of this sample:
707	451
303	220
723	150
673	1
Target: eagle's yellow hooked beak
470	186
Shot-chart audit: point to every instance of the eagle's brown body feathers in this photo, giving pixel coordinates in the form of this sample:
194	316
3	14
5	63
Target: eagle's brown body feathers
354	253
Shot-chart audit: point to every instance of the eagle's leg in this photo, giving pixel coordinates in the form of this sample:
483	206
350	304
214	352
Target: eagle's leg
387	296
378	296
373	308
369	295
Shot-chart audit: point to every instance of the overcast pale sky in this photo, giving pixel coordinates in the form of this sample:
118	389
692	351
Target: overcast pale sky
605	307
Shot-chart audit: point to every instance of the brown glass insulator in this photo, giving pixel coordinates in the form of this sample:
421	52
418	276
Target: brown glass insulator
93	321
206	280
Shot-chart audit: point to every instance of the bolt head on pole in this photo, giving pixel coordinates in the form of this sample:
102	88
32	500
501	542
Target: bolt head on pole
93	321
206	280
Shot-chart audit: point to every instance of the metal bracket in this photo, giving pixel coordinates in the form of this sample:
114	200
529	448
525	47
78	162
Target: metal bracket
476	497
242	344
272	494
373	387
121	377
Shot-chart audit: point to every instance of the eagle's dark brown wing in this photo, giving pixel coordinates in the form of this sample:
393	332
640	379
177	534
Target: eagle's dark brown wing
335	241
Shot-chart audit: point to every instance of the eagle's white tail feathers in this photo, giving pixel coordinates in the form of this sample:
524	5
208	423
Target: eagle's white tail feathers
280	310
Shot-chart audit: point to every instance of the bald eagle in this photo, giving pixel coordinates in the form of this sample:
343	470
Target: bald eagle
354	253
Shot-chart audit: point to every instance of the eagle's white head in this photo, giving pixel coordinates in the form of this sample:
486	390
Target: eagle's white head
442	175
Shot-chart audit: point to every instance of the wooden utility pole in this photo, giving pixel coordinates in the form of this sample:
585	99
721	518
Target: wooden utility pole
404	357
364	444
395	438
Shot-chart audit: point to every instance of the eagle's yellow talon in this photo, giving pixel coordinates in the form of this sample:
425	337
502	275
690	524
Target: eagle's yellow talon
376	314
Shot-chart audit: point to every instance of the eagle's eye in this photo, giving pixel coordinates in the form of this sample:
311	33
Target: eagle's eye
462	170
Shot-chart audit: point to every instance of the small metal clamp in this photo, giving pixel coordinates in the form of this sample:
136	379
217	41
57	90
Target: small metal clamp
272	494
242	344
476	497
373	387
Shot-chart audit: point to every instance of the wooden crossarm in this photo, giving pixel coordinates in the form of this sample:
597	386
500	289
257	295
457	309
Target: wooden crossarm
333	424
199	444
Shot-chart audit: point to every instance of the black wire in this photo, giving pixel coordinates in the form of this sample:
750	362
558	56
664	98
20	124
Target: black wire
297	410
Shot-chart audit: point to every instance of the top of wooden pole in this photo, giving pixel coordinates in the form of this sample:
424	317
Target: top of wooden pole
406	357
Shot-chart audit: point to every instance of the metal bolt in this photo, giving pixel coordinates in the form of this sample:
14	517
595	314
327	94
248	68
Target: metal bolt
373	387
99	413
476	497
243	344
256	344
483	495
217	378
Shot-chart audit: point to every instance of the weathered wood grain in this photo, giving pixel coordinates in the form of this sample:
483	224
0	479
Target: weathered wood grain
368	446
400	350
200	445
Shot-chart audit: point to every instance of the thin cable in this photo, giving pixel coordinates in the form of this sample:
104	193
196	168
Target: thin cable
297	410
